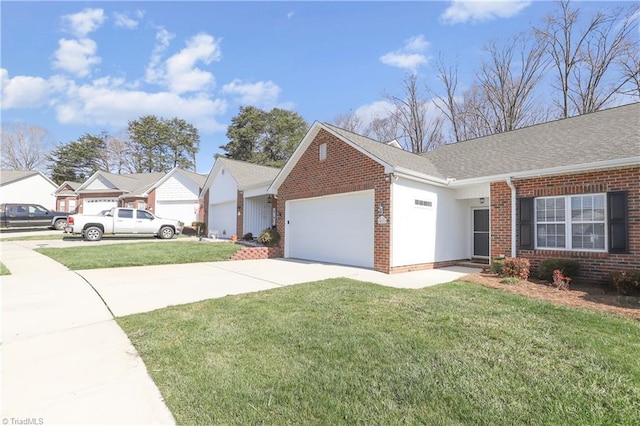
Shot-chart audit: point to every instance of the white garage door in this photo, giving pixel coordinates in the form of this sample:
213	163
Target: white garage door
184	211
96	205
335	229
223	219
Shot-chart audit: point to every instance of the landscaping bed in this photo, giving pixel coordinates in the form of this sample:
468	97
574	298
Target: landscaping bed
591	296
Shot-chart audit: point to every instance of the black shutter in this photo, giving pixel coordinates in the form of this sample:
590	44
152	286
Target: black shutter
618	222
525	223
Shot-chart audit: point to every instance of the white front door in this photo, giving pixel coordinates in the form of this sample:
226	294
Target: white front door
335	229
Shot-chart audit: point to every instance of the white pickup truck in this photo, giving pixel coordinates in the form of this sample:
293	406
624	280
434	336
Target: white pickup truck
122	221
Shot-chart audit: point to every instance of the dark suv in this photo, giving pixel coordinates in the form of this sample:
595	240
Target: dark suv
14	215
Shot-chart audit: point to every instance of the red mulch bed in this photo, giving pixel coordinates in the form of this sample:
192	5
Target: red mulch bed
594	297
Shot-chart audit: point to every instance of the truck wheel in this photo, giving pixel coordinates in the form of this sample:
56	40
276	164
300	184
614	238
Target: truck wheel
92	233
60	224
166	233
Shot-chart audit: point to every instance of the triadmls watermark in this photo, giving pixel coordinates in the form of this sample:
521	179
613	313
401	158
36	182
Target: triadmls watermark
22	421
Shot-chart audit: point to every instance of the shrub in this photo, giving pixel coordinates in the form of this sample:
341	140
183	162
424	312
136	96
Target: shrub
568	267
510	280
516	267
248	236
497	266
626	282
200	227
269	237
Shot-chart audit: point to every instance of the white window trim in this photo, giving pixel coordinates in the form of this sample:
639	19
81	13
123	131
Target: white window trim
322	152
568	224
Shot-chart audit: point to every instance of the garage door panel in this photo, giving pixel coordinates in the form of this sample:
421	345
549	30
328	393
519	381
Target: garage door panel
336	229
92	206
222	218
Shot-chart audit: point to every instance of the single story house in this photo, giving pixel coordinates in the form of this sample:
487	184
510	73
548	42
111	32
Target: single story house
172	195
564	189
66	196
27	186
235	198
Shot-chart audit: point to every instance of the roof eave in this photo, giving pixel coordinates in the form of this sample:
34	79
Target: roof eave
574	168
421	177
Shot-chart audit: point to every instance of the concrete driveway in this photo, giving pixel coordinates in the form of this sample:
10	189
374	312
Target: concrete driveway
66	361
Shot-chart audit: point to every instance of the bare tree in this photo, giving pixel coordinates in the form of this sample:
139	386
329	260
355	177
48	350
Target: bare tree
584	57
24	147
118	154
410	113
349	121
384	129
508	81
630	68
448	76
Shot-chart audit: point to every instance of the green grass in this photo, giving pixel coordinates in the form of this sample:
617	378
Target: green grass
345	352
4	270
140	254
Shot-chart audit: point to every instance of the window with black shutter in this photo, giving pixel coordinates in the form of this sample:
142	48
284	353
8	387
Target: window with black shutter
525	223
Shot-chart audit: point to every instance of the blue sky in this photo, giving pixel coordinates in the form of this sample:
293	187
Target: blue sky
83	67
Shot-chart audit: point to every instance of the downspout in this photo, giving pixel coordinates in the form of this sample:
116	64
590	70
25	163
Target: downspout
513	217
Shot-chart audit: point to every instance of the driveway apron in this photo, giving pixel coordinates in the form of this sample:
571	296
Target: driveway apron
64	358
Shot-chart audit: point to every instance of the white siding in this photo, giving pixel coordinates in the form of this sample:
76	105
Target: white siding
428	234
34	189
257	215
224	188
178	188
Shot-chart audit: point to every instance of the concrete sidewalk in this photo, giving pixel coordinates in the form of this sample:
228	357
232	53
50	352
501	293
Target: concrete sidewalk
65	359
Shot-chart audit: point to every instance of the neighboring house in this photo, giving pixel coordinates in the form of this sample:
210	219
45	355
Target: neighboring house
172	195
236	199
66	196
564	189
175	195
27	186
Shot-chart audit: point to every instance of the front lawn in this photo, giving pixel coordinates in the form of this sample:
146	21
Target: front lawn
140	254
341	351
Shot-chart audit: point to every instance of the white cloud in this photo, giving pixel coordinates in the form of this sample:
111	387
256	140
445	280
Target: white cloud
82	23
411	56
154	72
76	56
262	93
107	102
182	75
368	113
23	91
461	11
290	15
124	20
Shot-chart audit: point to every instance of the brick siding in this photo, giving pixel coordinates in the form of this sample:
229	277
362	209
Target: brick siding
595	267
250	253
344	170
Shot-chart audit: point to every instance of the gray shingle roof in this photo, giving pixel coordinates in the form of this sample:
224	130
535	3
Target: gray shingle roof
611	134
196	177
134	183
8	176
393	156
248	174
